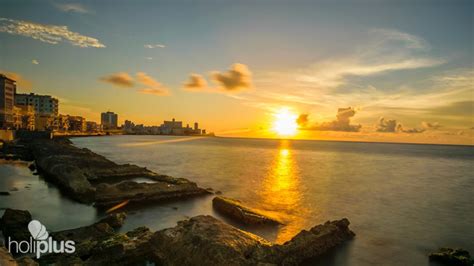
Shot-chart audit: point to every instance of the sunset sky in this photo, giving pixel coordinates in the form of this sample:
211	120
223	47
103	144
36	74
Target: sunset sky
345	70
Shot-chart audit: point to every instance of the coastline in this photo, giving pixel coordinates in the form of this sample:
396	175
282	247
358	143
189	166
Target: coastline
92	179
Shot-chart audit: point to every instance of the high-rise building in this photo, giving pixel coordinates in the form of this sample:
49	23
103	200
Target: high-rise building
109	120
7	101
45	105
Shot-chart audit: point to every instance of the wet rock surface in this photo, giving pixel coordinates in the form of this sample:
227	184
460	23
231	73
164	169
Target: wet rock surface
234	209
14	224
452	256
88	177
206	240
201	240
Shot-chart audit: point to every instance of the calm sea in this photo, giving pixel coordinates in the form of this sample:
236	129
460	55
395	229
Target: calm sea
403	200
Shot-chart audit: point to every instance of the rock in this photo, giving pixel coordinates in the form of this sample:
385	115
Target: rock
452	256
6	259
14	189
236	210
115	220
4	193
108	195
26	261
78	172
32	167
218	192
14	224
311	244
206	240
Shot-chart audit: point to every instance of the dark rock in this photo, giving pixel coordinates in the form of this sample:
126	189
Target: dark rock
32	167
4	193
218	192
14	224
236	210
6	258
206	241
26	261
452	256
115	220
78	172
113	194
209	241
311	244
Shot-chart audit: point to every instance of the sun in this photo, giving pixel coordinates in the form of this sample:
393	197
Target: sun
285	122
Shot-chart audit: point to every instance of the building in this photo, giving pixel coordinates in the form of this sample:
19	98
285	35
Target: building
62	123
77	123
45	105
172	127
109	120
92	126
7	101
24	117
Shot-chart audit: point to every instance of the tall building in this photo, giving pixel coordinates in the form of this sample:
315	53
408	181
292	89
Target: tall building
109	120
43	104
7	101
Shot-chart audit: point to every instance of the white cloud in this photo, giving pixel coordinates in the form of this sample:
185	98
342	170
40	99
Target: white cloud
51	34
72	7
35	62
152	46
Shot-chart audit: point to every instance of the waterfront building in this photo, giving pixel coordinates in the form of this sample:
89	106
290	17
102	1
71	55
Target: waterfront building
109	120
92	126
77	123
44	105
62	123
24	117
7	101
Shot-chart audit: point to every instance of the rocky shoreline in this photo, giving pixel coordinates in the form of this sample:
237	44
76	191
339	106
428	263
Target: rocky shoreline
93	179
200	240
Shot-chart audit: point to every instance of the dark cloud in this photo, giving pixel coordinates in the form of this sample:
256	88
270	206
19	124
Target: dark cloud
342	122
120	79
237	78
302	120
392	126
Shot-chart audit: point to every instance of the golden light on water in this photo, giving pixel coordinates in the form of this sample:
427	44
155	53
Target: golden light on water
285	123
281	194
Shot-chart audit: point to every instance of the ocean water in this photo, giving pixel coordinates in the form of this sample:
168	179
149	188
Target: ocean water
403	200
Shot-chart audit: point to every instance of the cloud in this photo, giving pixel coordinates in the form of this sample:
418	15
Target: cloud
392	126
457	109
342	122
35	62
391	35
120	79
302	120
428	125
196	82
152	46
236	79
72	7
51	34
388	125
151	85
21	82
149	58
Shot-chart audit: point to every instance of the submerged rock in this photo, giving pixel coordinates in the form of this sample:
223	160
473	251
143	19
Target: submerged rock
4	193
452	256
109	195
236	210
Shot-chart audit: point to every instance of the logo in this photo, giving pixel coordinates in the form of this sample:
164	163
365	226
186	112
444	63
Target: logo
40	242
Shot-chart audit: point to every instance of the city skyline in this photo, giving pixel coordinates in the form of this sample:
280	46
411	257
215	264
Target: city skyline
337	70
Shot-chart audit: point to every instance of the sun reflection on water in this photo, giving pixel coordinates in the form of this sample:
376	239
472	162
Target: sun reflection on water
281	194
